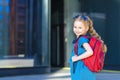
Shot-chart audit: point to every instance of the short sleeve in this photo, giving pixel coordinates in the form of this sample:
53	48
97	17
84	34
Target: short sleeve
82	40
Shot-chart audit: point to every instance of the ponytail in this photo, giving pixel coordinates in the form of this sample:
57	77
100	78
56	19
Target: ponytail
93	33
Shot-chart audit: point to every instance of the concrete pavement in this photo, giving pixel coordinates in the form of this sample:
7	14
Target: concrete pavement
63	74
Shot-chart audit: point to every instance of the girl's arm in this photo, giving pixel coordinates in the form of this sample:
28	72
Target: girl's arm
86	54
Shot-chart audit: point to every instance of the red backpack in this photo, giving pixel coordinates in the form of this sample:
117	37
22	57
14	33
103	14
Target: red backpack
95	62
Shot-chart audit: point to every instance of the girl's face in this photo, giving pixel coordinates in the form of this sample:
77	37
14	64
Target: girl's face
79	28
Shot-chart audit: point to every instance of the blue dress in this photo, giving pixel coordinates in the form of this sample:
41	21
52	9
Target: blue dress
77	69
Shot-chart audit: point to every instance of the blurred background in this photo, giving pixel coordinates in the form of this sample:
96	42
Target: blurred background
36	35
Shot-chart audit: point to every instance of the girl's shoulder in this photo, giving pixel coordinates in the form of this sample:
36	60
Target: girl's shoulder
82	40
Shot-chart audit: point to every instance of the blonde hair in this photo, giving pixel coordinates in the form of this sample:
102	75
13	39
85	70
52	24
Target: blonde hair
87	21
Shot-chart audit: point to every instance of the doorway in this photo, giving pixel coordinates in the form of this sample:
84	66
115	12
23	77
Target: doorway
57	33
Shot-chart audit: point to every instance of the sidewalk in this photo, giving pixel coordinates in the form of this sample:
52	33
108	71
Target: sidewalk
63	74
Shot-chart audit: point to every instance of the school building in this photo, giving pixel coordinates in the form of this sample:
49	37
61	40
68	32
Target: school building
36	35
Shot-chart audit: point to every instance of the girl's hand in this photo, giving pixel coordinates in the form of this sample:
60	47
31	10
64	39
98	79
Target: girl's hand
75	58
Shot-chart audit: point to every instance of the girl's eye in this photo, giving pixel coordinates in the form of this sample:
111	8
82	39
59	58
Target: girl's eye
80	28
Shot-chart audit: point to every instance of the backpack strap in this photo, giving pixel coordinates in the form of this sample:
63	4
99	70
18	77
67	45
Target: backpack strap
76	47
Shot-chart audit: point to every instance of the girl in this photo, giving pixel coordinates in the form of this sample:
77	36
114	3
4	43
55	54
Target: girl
82	25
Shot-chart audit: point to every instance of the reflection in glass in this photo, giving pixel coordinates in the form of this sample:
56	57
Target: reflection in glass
20	34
